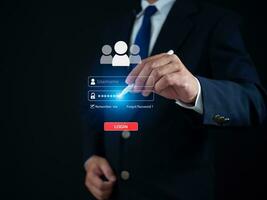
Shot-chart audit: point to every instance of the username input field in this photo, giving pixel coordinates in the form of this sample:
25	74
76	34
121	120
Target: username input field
112	81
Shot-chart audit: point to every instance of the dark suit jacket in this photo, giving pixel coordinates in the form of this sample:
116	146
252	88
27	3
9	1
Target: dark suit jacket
171	157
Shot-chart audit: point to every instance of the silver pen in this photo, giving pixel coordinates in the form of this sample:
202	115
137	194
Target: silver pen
127	89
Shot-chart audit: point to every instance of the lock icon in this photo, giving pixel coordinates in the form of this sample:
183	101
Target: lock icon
92	96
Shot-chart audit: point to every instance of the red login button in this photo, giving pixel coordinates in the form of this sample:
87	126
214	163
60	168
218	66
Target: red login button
120	126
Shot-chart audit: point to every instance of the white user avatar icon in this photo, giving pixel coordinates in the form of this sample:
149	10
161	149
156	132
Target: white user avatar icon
106	58
92	81
135	58
92	96
121	58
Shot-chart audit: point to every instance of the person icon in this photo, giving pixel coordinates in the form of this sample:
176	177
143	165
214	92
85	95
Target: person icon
135	58
121	58
106	58
92	81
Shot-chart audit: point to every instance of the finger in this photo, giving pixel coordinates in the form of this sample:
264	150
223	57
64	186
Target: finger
163	60
149	67
96	181
94	178
134	73
157	74
142	77
100	195
107	171
166	81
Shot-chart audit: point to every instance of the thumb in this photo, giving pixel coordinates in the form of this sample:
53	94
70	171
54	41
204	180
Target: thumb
107	171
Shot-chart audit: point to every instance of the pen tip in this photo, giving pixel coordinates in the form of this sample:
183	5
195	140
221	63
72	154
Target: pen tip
170	52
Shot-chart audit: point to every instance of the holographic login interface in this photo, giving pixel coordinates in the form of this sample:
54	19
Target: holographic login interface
110	98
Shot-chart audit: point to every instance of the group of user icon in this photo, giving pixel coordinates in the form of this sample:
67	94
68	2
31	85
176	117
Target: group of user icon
120	58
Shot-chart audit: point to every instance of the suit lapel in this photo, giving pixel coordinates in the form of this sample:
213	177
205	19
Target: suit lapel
122	28
176	27
173	33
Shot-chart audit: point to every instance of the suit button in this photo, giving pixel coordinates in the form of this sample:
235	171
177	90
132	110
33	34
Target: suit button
220	119
226	119
126	135
125	175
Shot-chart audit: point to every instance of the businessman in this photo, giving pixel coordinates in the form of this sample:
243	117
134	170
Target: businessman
209	83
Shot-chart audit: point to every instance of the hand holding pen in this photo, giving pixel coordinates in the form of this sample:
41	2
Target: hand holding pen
165	75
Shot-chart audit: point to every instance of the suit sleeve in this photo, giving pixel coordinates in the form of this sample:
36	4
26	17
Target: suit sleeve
232	96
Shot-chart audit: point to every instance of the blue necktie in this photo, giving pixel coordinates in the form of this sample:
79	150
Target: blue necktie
144	33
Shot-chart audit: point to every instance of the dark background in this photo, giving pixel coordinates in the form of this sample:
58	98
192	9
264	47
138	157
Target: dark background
46	47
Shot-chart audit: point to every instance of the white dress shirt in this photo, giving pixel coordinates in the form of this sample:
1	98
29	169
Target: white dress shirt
157	21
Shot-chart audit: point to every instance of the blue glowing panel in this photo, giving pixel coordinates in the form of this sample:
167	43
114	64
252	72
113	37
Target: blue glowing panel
113	95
